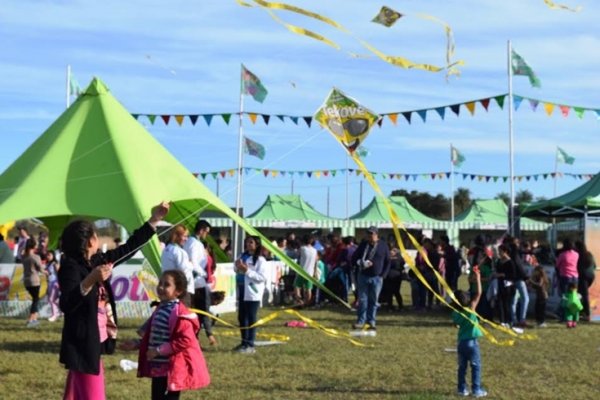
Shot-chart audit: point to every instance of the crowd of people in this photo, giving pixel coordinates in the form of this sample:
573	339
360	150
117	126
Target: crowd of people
501	274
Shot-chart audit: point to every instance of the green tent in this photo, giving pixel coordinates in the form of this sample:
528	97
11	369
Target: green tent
289	211
96	161
492	215
583	200
375	213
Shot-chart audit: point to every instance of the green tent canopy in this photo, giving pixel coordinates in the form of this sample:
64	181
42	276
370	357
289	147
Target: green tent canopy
493	215
289	211
96	161
582	200
375	213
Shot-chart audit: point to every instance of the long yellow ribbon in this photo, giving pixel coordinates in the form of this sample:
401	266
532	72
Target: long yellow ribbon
394	60
397	223
556	6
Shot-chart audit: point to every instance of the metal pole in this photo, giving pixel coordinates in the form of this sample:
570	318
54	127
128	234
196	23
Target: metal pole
511	141
238	199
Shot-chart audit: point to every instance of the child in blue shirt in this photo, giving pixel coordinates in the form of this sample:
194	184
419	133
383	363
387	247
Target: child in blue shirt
468	345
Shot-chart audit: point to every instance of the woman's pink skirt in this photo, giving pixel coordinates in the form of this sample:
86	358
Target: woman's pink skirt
82	386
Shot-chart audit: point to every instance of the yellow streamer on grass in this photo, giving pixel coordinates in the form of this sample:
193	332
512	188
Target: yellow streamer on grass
401	62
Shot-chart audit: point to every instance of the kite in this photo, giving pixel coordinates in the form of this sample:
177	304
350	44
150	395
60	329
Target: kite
555	6
387	17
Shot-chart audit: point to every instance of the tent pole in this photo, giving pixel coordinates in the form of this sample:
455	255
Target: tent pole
511	142
451	188
238	197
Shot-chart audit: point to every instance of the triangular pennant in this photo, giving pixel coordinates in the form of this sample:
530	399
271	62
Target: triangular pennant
527	178
231	172
179	119
480	178
317	174
252	117
393	118
195	174
308	120
495	179
505	178
274	173
358	172
294	120
326	173
579	111
597	114
447	175
422	114
441	112
135	116
487	178
564	110
281	117
333	172
408	114
266	118
214	175
151	118
471	107
455	109
472	177
194	119
380	122
485	103
301	173
549	107
500	100
203	175
414	176
226	118
265	172
283	173
517	102
208	118
534	104
433	176
309	174
222	173
535	177
166	119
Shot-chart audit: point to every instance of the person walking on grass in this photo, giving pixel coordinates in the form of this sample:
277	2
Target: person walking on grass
468	344
250	280
32	268
372	257
88	305
169	352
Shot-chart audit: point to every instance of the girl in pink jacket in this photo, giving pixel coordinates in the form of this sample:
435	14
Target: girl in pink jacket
169	352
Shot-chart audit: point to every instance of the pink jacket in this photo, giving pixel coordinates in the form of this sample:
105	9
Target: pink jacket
187	368
567	264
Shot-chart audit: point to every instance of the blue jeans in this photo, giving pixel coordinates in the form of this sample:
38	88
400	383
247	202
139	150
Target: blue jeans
523	298
368	293
468	352
247	316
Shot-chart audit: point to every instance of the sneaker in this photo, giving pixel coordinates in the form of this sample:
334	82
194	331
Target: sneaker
358	326
463	393
517	330
34	323
53	318
372	328
480	393
542	325
238	348
247	350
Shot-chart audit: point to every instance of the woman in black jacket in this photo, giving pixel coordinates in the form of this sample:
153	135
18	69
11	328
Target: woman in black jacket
88	303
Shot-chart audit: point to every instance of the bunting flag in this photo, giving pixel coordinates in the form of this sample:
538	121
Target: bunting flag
362	151
456	157
520	67
252	86
555	6
387	17
563	157
253	148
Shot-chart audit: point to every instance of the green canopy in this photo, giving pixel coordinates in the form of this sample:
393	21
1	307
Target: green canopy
375	213
96	161
289	210
584	199
492	215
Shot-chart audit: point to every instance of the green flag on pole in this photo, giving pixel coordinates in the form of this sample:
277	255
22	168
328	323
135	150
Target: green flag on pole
456	157
563	157
520	67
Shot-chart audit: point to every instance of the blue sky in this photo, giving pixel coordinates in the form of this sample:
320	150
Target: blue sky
196	48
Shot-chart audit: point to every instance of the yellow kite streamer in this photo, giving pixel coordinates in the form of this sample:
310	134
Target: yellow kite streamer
338	112
394	60
555	6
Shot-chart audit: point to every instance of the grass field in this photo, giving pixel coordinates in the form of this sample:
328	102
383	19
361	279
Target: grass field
409	360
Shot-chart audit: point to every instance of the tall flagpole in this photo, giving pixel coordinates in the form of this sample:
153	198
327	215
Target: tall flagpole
555	172
451	186
511	142
68	85
238	197
347	213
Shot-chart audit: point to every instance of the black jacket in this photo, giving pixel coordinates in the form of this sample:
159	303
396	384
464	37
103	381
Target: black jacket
80	347
380	258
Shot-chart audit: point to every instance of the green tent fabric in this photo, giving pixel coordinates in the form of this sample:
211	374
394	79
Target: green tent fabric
375	213
286	208
96	161
584	199
492	214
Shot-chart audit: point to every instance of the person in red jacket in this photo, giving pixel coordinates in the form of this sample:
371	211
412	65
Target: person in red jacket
169	352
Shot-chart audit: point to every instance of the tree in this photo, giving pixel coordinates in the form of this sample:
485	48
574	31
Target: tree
504	197
523	196
462	200
435	207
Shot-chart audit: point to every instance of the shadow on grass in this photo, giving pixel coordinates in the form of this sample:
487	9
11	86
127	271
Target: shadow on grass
396	393
32	346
